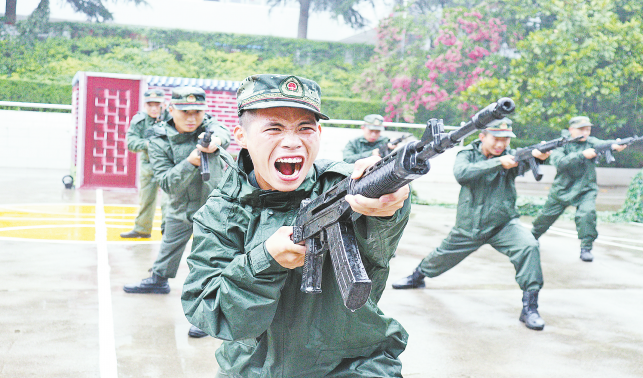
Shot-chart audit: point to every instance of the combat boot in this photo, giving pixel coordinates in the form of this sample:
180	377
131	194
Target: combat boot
586	255
154	284
529	314
414	281
135	234
196	332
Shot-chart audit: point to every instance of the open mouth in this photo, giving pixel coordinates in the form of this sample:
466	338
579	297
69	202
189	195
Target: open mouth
289	167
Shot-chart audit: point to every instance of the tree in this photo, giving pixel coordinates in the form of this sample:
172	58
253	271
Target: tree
588	63
338	8
94	9
422	61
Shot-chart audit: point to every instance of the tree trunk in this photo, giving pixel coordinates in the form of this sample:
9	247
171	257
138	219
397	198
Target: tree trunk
302	30
10	12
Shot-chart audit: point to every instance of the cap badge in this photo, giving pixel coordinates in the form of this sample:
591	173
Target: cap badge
191	98
504	126
152	94
291	87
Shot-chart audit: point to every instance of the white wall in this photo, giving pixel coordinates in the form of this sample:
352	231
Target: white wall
43	140
249	17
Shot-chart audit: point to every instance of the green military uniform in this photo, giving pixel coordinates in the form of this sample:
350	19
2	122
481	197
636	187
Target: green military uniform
360	148
487	215
137	140
574	185
237	292
182	183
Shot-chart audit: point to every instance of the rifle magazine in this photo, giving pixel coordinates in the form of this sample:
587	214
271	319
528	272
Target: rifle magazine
353	282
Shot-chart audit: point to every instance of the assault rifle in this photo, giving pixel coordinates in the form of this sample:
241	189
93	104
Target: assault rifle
384	150
606	148
325	223
526	160
204	168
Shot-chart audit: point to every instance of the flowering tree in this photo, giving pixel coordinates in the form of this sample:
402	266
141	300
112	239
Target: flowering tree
463	49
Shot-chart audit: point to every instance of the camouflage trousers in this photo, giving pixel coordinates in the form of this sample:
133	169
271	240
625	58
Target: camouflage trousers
512	240
585	218
175	238
148	191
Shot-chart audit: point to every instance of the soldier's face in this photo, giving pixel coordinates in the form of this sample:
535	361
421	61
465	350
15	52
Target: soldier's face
283	144
580	131
187	121
153	109
371	135
493	146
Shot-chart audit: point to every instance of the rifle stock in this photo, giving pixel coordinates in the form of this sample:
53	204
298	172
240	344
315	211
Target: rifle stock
325	222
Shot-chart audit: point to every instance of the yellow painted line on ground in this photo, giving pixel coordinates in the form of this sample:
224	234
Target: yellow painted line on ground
69	223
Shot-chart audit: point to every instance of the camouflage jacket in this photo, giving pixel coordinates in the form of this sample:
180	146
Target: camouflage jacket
237	292
177	177
575	174
138	135
360	148
488	193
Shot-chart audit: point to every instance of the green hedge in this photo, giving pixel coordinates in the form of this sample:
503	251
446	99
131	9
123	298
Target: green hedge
266	46
31	91
346	108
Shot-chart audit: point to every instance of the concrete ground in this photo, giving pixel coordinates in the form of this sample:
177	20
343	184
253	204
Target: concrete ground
63	312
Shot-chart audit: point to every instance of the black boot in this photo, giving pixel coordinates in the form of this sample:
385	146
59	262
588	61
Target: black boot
134	234
529	314
196	332
414	281
154	284
586	255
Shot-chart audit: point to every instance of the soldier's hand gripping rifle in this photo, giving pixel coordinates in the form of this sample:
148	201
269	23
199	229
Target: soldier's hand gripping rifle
325	222
606	148
384	150
204	168
526	160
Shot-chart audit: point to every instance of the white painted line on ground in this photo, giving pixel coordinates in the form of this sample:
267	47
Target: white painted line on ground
137	241
106	341
601	240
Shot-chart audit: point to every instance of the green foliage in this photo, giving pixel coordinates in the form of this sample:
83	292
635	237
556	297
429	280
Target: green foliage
588	63
632	210
343	108
31	91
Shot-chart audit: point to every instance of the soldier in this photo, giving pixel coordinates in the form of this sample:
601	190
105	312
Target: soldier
175	157
370	143
487	214
137	141
574	185
245	272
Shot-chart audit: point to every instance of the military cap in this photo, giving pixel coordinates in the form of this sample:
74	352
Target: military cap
501	128
154	95
374	122
188	98
580	121
275	91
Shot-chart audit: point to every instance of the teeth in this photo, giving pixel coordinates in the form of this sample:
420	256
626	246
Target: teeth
293	160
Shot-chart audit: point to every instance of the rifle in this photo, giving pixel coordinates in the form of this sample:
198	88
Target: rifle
606	148
325	223
525	159
384	150
204	168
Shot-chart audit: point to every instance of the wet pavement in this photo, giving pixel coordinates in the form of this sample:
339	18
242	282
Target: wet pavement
61	317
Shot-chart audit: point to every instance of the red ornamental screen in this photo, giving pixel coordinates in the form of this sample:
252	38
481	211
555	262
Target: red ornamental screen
111	103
